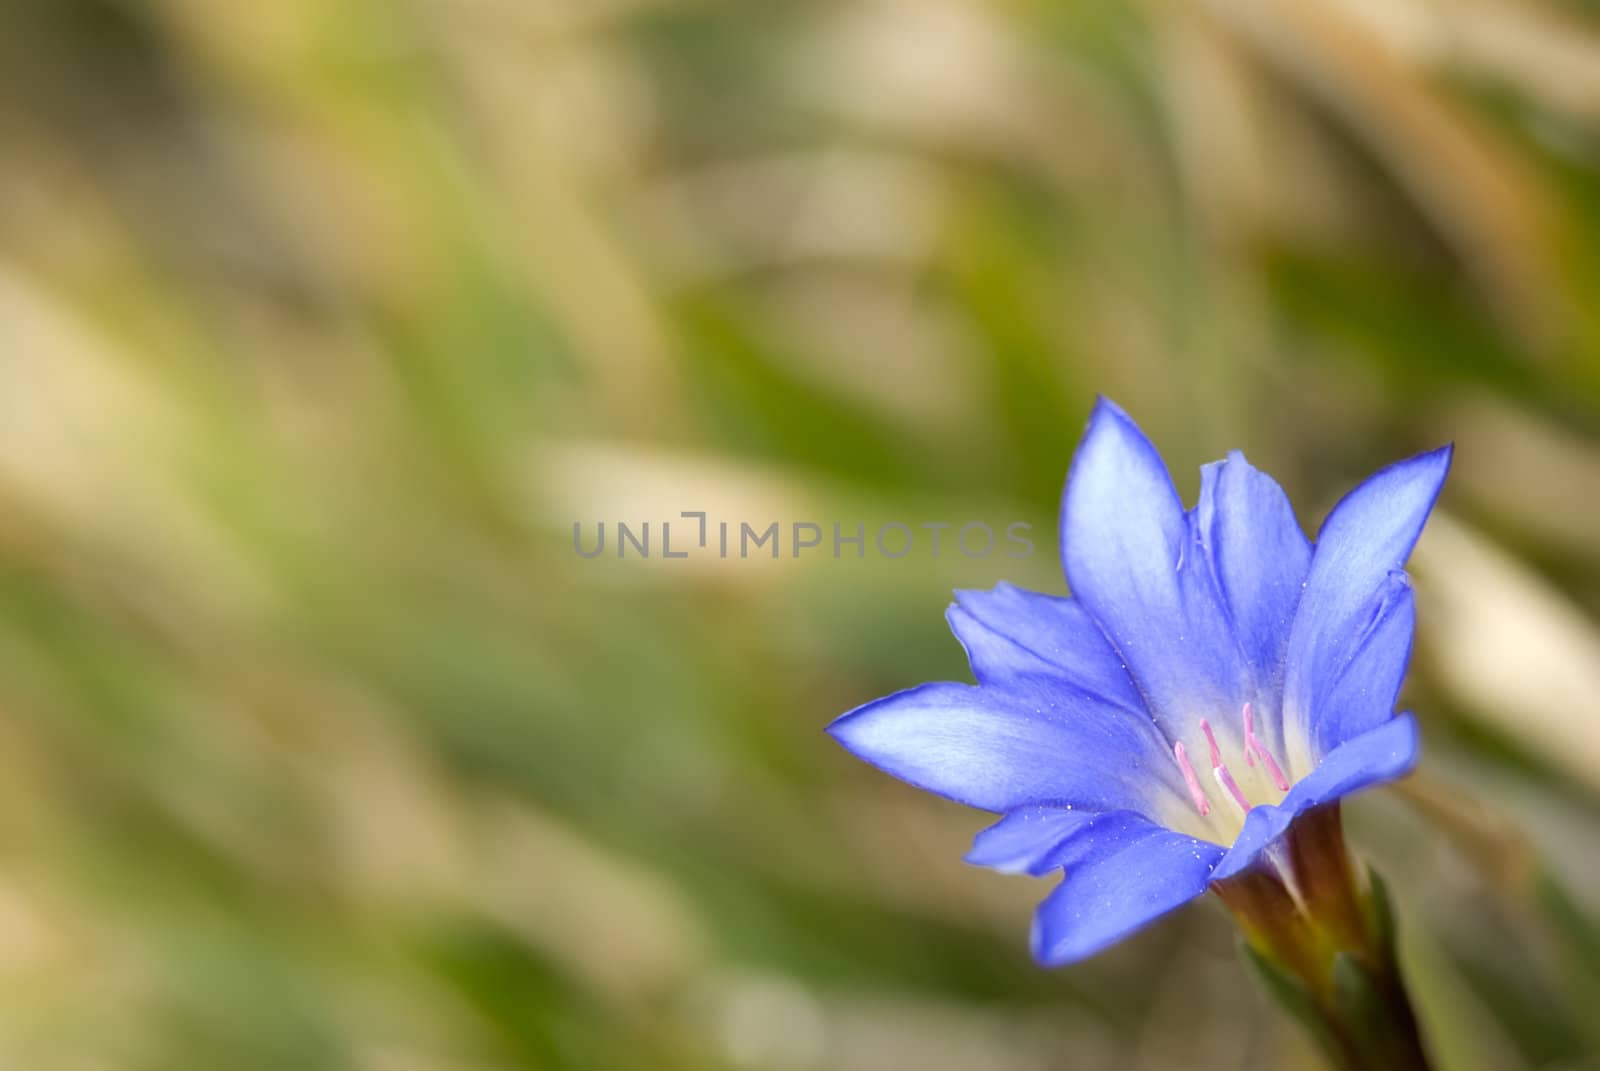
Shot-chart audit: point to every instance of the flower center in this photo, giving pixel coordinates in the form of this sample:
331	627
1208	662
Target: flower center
1254	750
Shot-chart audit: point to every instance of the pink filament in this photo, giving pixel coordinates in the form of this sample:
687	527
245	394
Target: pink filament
1219	769
1253	744
1211	742
1201	804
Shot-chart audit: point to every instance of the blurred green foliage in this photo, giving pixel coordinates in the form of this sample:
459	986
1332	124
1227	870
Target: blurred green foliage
321	323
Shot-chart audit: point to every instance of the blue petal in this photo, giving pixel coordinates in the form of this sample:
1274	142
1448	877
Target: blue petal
1368	535
1380	754
1260	556
1365	686
1024	841
1035	741
1122	874
1133	561
1008	631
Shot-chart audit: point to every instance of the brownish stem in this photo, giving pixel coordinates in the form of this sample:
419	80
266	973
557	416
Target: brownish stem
1270	920
1317	857
1323	937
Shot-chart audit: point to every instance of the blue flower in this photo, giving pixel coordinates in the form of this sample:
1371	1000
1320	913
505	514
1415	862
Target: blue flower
1213	676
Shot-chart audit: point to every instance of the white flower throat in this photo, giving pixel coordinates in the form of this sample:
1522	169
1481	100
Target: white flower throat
1254	752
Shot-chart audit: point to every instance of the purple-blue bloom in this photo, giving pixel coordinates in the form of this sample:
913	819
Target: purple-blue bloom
1213	676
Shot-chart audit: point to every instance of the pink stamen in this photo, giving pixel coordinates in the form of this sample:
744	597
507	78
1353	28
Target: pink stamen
1211	742
1273	769
1252	743
1201	804
1219	769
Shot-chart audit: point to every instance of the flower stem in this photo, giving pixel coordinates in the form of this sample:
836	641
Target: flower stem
1321	940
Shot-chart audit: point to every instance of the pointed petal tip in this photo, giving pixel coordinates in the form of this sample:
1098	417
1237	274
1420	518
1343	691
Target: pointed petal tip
852	727
1107	404
977	856
867	732
1105	410
1213	469
965	597
1113	439
1407	747
1428	467
1052	950
1036	944
1234	456
964	626
1441	457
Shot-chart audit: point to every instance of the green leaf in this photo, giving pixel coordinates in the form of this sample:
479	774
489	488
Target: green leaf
1380	914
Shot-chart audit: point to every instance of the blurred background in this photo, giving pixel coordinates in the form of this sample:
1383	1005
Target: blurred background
323	321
